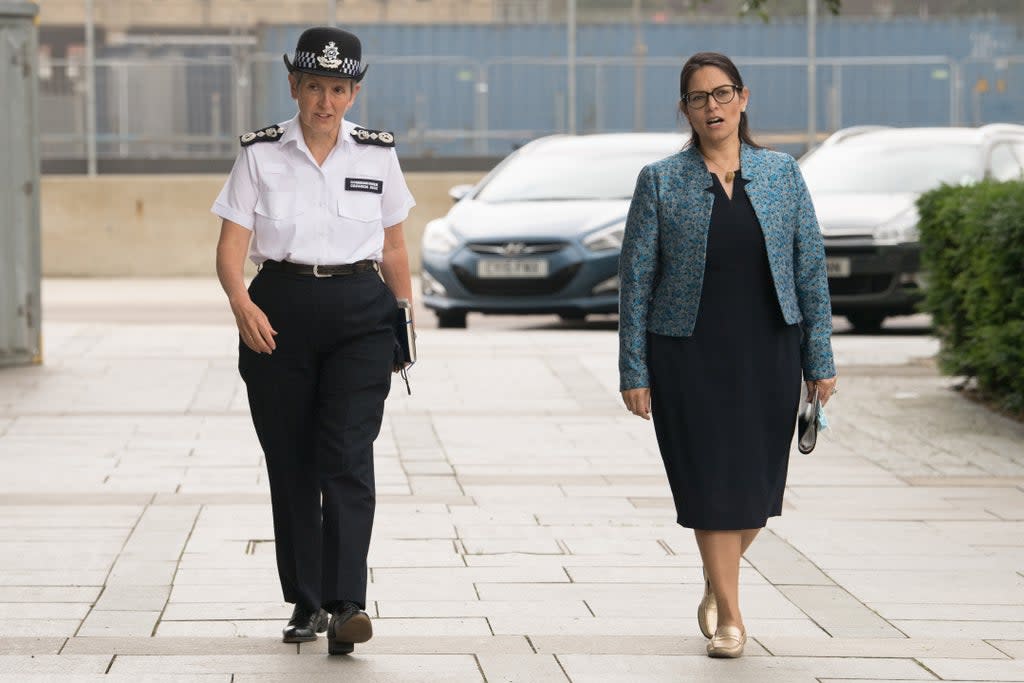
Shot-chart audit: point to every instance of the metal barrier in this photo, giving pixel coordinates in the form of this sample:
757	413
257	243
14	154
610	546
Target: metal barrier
20	266
181	108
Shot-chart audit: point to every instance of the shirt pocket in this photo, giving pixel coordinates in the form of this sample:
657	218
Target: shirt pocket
364	207
279	205
279	198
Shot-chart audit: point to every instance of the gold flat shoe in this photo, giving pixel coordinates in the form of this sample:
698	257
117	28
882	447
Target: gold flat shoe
707	610
728	641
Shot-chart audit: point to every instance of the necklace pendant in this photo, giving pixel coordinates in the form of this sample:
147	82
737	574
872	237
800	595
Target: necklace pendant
729	175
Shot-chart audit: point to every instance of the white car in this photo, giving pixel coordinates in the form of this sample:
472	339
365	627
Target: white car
865	181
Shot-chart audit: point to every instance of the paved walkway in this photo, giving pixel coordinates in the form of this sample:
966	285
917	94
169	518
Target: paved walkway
524	528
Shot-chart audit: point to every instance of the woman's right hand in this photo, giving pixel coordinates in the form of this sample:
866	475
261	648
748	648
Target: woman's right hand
253	326
638	401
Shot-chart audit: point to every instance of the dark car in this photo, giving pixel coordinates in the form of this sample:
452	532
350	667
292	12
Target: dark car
865	182
541	233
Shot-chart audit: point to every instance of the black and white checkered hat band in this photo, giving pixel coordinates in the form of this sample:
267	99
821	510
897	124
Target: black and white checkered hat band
308	60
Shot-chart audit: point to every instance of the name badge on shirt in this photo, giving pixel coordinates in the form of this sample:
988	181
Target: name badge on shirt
364	185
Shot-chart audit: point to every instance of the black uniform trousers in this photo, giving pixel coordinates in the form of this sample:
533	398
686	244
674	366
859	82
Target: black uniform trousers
317	403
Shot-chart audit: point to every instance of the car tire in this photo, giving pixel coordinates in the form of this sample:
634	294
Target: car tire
866	323
451	320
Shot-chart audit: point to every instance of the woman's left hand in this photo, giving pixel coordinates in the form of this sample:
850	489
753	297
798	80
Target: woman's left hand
824	387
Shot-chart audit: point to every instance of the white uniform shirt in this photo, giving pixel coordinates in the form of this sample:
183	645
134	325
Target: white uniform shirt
315	215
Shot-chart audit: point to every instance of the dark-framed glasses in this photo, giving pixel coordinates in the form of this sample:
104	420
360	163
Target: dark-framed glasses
698	99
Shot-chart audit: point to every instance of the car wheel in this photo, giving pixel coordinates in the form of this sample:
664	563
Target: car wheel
866	322
451	320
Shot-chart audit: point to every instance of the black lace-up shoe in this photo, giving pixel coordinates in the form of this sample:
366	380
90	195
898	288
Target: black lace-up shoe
305	624
349	625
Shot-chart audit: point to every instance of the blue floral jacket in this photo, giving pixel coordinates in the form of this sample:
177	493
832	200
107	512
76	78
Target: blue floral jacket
661	269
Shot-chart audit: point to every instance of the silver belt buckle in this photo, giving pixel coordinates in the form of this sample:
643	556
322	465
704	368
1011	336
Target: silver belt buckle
316	272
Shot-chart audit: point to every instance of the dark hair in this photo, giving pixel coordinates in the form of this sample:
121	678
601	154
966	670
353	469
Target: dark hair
716	59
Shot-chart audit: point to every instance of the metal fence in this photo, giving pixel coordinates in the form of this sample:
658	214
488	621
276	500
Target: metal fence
174	107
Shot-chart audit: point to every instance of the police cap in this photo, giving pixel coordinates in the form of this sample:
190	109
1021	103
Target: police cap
328	51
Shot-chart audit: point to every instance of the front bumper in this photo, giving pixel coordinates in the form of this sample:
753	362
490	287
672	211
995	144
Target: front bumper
569	288
875	278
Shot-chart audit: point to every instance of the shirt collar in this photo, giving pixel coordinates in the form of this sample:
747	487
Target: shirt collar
293	133
346	131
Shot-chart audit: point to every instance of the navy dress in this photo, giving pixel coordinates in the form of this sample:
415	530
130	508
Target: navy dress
724	400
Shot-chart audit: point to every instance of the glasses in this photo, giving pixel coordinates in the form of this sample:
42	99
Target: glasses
698	99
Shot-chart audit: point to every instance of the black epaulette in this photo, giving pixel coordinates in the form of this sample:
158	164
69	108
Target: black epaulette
262	135
381	138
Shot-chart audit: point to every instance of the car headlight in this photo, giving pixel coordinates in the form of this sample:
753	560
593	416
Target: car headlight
898	230
606	239
438	237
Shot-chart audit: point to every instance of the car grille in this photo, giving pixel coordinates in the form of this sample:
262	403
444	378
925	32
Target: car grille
860	284
552	284
515	248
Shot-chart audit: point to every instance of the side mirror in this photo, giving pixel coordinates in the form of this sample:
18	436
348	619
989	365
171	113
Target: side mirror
459	191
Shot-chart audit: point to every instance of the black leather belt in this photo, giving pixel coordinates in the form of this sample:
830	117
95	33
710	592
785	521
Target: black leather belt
321	271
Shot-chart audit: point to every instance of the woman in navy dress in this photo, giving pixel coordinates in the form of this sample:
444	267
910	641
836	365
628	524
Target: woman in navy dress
724	307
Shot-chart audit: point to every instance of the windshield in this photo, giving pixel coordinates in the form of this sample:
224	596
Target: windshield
895	168
546	177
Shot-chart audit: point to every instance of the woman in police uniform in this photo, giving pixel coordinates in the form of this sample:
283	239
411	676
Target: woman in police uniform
318	203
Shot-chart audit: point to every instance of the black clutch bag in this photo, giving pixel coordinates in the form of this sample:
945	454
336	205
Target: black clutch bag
807	425
405	341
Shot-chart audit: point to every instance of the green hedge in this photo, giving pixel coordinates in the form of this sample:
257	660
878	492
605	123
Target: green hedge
972	241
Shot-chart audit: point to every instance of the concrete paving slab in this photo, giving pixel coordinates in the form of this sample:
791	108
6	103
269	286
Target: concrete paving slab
114	623
38	627
988	630
521	669
627	645
114	678
767	603
396	666
971	669
220	628
1012	648
662	575
838	612
363	673
13	665
21	645
626	626
43	610
120	597
433	575
229	611
951	611
481	608
783	646
877	680
192	646
432	645
583	668
679	562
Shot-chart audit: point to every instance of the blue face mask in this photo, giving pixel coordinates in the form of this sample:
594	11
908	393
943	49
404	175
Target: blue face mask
822	420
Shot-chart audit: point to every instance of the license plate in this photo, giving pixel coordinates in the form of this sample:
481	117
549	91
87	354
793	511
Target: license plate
837	267
512	268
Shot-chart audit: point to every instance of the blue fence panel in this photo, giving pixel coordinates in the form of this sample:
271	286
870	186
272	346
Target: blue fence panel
993	92
530	98
748	38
